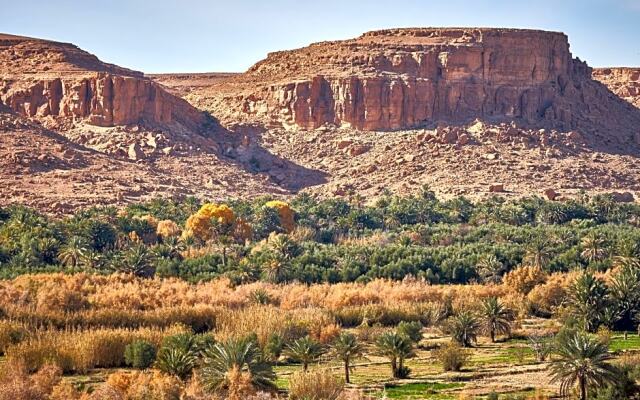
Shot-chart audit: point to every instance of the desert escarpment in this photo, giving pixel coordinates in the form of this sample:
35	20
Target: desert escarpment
402	78
49	79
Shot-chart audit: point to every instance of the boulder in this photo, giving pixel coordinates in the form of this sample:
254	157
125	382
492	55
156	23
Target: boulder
551	194
623	197
135	152
357	150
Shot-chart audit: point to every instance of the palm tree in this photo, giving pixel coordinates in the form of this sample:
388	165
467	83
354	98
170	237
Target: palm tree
176	361
283	246
222	360
396	348
495	318
92	259
346	347
175	246
587	299
71	253
138	261
593	248
627	254
537	254
625	294
581	361
305	350
464	328
490	269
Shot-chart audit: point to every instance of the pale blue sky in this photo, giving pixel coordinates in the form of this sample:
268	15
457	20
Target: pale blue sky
216	35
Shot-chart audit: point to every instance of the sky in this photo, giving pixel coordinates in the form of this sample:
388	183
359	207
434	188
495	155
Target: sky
157	36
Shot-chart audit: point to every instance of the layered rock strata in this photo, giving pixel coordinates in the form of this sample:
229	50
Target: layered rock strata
403	78
42	78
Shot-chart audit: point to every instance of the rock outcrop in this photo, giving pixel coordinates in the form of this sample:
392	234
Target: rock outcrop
403	78
625	82
41	78
102	100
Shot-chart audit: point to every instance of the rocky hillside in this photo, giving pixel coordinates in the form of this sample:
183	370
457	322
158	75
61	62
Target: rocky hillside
625	82
70	90
407	78
467	111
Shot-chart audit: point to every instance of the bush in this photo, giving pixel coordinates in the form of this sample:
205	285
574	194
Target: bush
315	385
452	356
11	333
140	354
412	330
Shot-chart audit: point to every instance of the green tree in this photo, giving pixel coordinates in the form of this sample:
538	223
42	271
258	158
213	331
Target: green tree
464	328
235	355
138	260
72	252
495	318
624	290
490	269
587	299
412	330
346	348
581	361
593	248
139	354
396	348
537	254
305	350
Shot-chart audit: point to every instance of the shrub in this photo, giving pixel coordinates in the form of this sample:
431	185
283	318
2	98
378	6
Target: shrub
11	333
523	279
140	354
315	385
412	330
167	229
452	356
140	385
17	384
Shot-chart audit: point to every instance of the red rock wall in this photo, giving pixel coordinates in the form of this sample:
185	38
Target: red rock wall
103	100
516	74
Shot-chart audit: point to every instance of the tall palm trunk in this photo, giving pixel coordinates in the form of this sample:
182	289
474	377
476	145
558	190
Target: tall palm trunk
583	388
394	368
346	371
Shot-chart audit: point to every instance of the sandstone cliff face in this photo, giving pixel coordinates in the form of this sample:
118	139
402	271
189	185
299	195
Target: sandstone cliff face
397	79
102	100
41	78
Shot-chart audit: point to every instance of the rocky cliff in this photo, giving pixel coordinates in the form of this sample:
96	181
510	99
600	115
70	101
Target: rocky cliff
41	78
403	78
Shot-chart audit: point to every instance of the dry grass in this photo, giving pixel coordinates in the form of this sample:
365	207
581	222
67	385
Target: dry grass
78	351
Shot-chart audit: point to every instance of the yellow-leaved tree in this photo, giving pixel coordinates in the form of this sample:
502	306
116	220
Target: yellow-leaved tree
285	212
222	212
201	224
